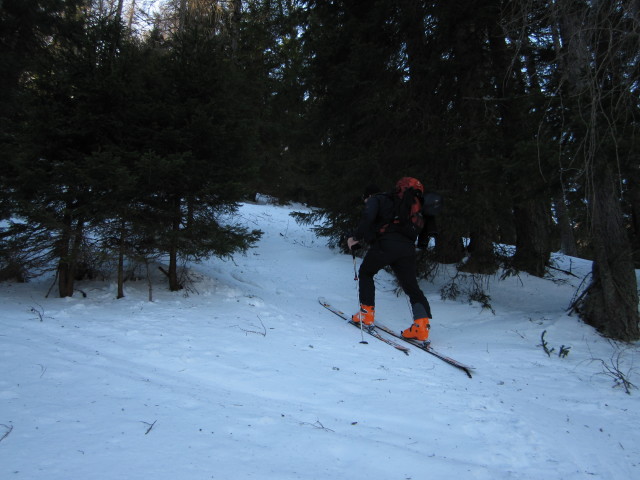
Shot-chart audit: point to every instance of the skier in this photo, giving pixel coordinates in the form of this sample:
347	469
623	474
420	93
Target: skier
392	240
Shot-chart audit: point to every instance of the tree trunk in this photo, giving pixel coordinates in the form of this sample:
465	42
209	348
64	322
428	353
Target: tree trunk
68	251
634	199
533	249
65	275
449	247
611	302
121	249
235	27
182	14
596	63
131	14
119	10
174	284
482	258
568	244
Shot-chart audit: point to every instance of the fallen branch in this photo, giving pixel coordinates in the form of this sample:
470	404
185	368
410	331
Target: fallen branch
563	271
150	426
9	430
39	312
317	425
614	370
564	350
544	345
263	332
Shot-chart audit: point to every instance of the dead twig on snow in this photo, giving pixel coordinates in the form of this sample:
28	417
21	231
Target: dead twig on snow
150	426
9	430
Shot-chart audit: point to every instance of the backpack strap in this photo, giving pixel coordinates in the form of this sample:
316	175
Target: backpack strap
405	214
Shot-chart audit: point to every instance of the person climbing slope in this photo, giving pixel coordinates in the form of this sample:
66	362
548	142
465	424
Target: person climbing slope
392	223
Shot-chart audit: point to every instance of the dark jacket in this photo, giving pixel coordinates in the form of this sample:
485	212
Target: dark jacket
378	211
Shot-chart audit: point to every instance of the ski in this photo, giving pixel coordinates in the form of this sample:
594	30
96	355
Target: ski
368	330
426	346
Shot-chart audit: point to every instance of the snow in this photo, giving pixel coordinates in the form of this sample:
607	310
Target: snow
246	376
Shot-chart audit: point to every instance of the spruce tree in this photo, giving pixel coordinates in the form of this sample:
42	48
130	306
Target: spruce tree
56	184
199	143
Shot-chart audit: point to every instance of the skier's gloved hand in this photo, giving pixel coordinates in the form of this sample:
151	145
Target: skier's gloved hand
353	244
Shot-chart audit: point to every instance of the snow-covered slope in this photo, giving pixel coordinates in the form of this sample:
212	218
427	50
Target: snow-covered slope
248	377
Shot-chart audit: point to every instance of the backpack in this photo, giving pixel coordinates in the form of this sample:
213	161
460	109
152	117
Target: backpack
431	204
407	217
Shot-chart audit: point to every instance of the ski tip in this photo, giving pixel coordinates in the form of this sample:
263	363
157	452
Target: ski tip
323	301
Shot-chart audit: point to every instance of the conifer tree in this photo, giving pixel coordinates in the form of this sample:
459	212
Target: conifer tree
199	154
145	147
55	183
598	61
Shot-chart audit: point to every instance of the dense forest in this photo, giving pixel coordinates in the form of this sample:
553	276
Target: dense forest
130	130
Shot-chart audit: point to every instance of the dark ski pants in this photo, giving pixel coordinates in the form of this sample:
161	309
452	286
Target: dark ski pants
401	257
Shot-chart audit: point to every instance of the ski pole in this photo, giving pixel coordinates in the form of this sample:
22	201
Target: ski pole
355	270
355	277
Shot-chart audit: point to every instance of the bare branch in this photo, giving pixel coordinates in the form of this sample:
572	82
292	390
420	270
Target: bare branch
9	429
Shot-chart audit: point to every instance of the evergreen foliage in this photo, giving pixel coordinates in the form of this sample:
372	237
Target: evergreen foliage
120	144
141	147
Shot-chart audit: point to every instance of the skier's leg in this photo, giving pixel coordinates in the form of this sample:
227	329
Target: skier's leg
373	261
405	270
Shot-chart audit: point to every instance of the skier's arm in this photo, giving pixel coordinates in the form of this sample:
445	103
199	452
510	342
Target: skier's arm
365	232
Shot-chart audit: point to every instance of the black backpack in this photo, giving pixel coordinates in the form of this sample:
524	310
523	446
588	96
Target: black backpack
411	210
406	215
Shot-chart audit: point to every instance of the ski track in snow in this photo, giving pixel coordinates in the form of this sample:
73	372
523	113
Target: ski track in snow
248	376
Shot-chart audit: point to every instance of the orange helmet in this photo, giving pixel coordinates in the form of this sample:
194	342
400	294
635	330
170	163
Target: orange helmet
408	182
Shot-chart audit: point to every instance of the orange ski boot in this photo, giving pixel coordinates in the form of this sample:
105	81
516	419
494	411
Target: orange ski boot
419	330
366	315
